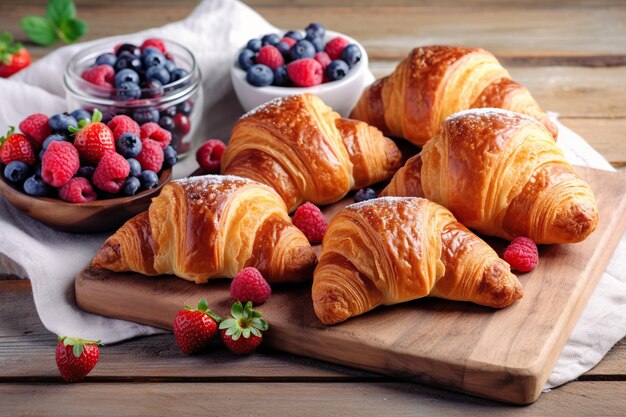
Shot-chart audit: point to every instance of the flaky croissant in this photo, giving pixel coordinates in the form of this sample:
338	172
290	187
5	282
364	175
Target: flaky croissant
391	250
303	149
211	227
434	82
501	174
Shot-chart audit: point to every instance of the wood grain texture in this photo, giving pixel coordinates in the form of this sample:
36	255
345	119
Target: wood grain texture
505	355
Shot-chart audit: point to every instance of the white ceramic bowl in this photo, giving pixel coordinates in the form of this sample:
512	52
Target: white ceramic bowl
341	95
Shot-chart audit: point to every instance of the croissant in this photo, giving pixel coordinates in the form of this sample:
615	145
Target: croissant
211	227
303	149
391	250
434	82
501	174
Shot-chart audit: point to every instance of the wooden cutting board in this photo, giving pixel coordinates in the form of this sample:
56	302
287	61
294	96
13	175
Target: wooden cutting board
505	355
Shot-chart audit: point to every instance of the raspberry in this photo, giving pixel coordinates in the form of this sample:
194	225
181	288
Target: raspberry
36	127
305	72
154	43
311	221
249	285
77	190
59	164
101	75
270	56
111	172
155	132
335	47
522	254
209	155
123	124
151	156
289	41
323	59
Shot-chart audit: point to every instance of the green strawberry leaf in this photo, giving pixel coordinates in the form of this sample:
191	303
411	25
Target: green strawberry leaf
8	135
70	30
237	310
59	10
39	29
255	331
228	323
96	117
78	349
213	316
246	333
203	305
259	324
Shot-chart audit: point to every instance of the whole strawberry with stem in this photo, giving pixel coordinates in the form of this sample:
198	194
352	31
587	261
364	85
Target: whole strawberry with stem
13	56
242	332
76	357
194	329
93	139
16	147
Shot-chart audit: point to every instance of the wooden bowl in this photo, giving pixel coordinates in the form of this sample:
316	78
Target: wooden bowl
91	217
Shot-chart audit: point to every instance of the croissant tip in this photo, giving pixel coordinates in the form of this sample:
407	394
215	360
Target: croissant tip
576	223
107	256
330	306
300	264
501	287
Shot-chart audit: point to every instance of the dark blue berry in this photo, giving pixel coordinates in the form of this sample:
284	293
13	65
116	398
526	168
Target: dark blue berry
130	186
283	48
351	54
107	115
153	58
295	35
128	91
53	138
135	167
169	65
150	49
81	114
158	73
126	75
41	154
177	74
271	39
170	111
35	186
302	49
246	59
16	171
281	78
146	115
167	123
153	88
365	194
106	59
129	47
260	75
336	70
128	61
318	43
86	171
185	108
148	179
61	123
171	157
128	145
254	45
315	30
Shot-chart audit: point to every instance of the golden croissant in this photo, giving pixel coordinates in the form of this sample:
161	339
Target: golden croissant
305	151
501	174
211	227
434	82
391	250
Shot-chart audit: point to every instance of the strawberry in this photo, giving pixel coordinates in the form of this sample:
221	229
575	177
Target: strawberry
16	147
93	140
194	329
13	56
76	357
241	333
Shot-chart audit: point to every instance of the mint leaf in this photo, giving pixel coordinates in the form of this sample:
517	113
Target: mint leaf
59	10
39	29
70	30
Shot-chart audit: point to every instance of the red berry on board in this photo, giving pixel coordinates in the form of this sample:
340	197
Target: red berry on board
249	285
242	332
522	254
195	329
75	357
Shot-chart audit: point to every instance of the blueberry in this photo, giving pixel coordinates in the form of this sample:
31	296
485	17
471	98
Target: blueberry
126	75
128	61
281	78
271	39
153	88
170	111
169	65
167	123
364	194
158	73
41	154
317	42
16	171
86	171
37	170
254	45
128	91
284	48
153	58
260	75
53	138
295	35
106	59
61	123
128	145
177	74
351	54
149	49
185	107
135	167
171	157
149	114
148	179
336	70
35	186
107	115
246	59
130	186
81	114
128	47
315	30
302	49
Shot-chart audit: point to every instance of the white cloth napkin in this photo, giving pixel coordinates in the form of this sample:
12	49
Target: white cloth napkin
214	32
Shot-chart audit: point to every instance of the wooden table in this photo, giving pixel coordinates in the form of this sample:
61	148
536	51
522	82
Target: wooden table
571	55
